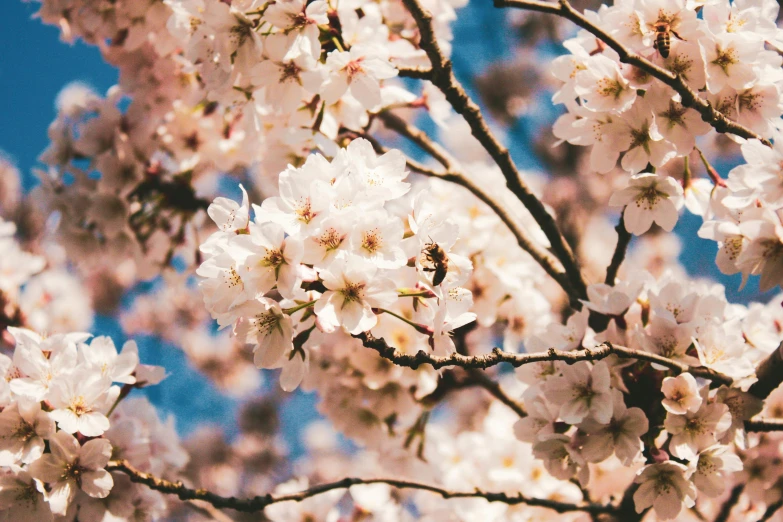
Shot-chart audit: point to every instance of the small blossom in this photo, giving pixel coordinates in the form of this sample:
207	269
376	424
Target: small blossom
649	198
70	467
665	488
581	390
681	394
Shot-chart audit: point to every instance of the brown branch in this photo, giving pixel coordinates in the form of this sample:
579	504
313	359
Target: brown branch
421	73
258	503
498	392
764	425
623	240
771	510
443	77
547	261
690	98
769	373
498	356
419	137
729	503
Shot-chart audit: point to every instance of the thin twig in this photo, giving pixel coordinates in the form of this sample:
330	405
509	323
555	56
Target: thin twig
419	137
548	262
443	77
769	373
725	509
771	510
258	503
760	425
498	356
690	97
623	240
498	392
421	73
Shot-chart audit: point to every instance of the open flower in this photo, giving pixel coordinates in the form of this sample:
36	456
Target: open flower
265	325
79	400
695	431
711	470
354	289
649	198
581	390
23	428
70	467
359	69
681	394
621	436
665	488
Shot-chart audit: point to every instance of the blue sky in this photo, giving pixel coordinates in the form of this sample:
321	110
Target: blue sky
35	65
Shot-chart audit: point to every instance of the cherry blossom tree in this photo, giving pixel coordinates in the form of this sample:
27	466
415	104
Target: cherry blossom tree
315	198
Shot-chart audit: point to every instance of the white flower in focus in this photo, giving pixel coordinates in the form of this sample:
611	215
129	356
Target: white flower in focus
101	355
723	349
290	78
729	59
377	236
602	86
354	289
694	431
581	390
360	69
23	428
711	470
647	144
79	399
42	360
665	488
265	325
649	198
302	19
443	324
607	133
229	215
621	436
274	260
70	467
380	176
681	394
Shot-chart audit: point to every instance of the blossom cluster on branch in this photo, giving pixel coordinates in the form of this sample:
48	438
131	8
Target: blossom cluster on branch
248	169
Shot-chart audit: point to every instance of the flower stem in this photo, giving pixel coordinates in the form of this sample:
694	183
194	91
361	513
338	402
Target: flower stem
426	330
294	309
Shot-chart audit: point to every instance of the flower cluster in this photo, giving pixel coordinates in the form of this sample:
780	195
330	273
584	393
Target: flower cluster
341	245
744	217
208	87
717	48
60	425
587	412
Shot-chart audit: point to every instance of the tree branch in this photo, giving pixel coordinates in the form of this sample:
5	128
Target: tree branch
548	262
771	510
764	425
769	373
258	503
725	509
420	73
498	356
498	392
623	240
690	98
443	77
